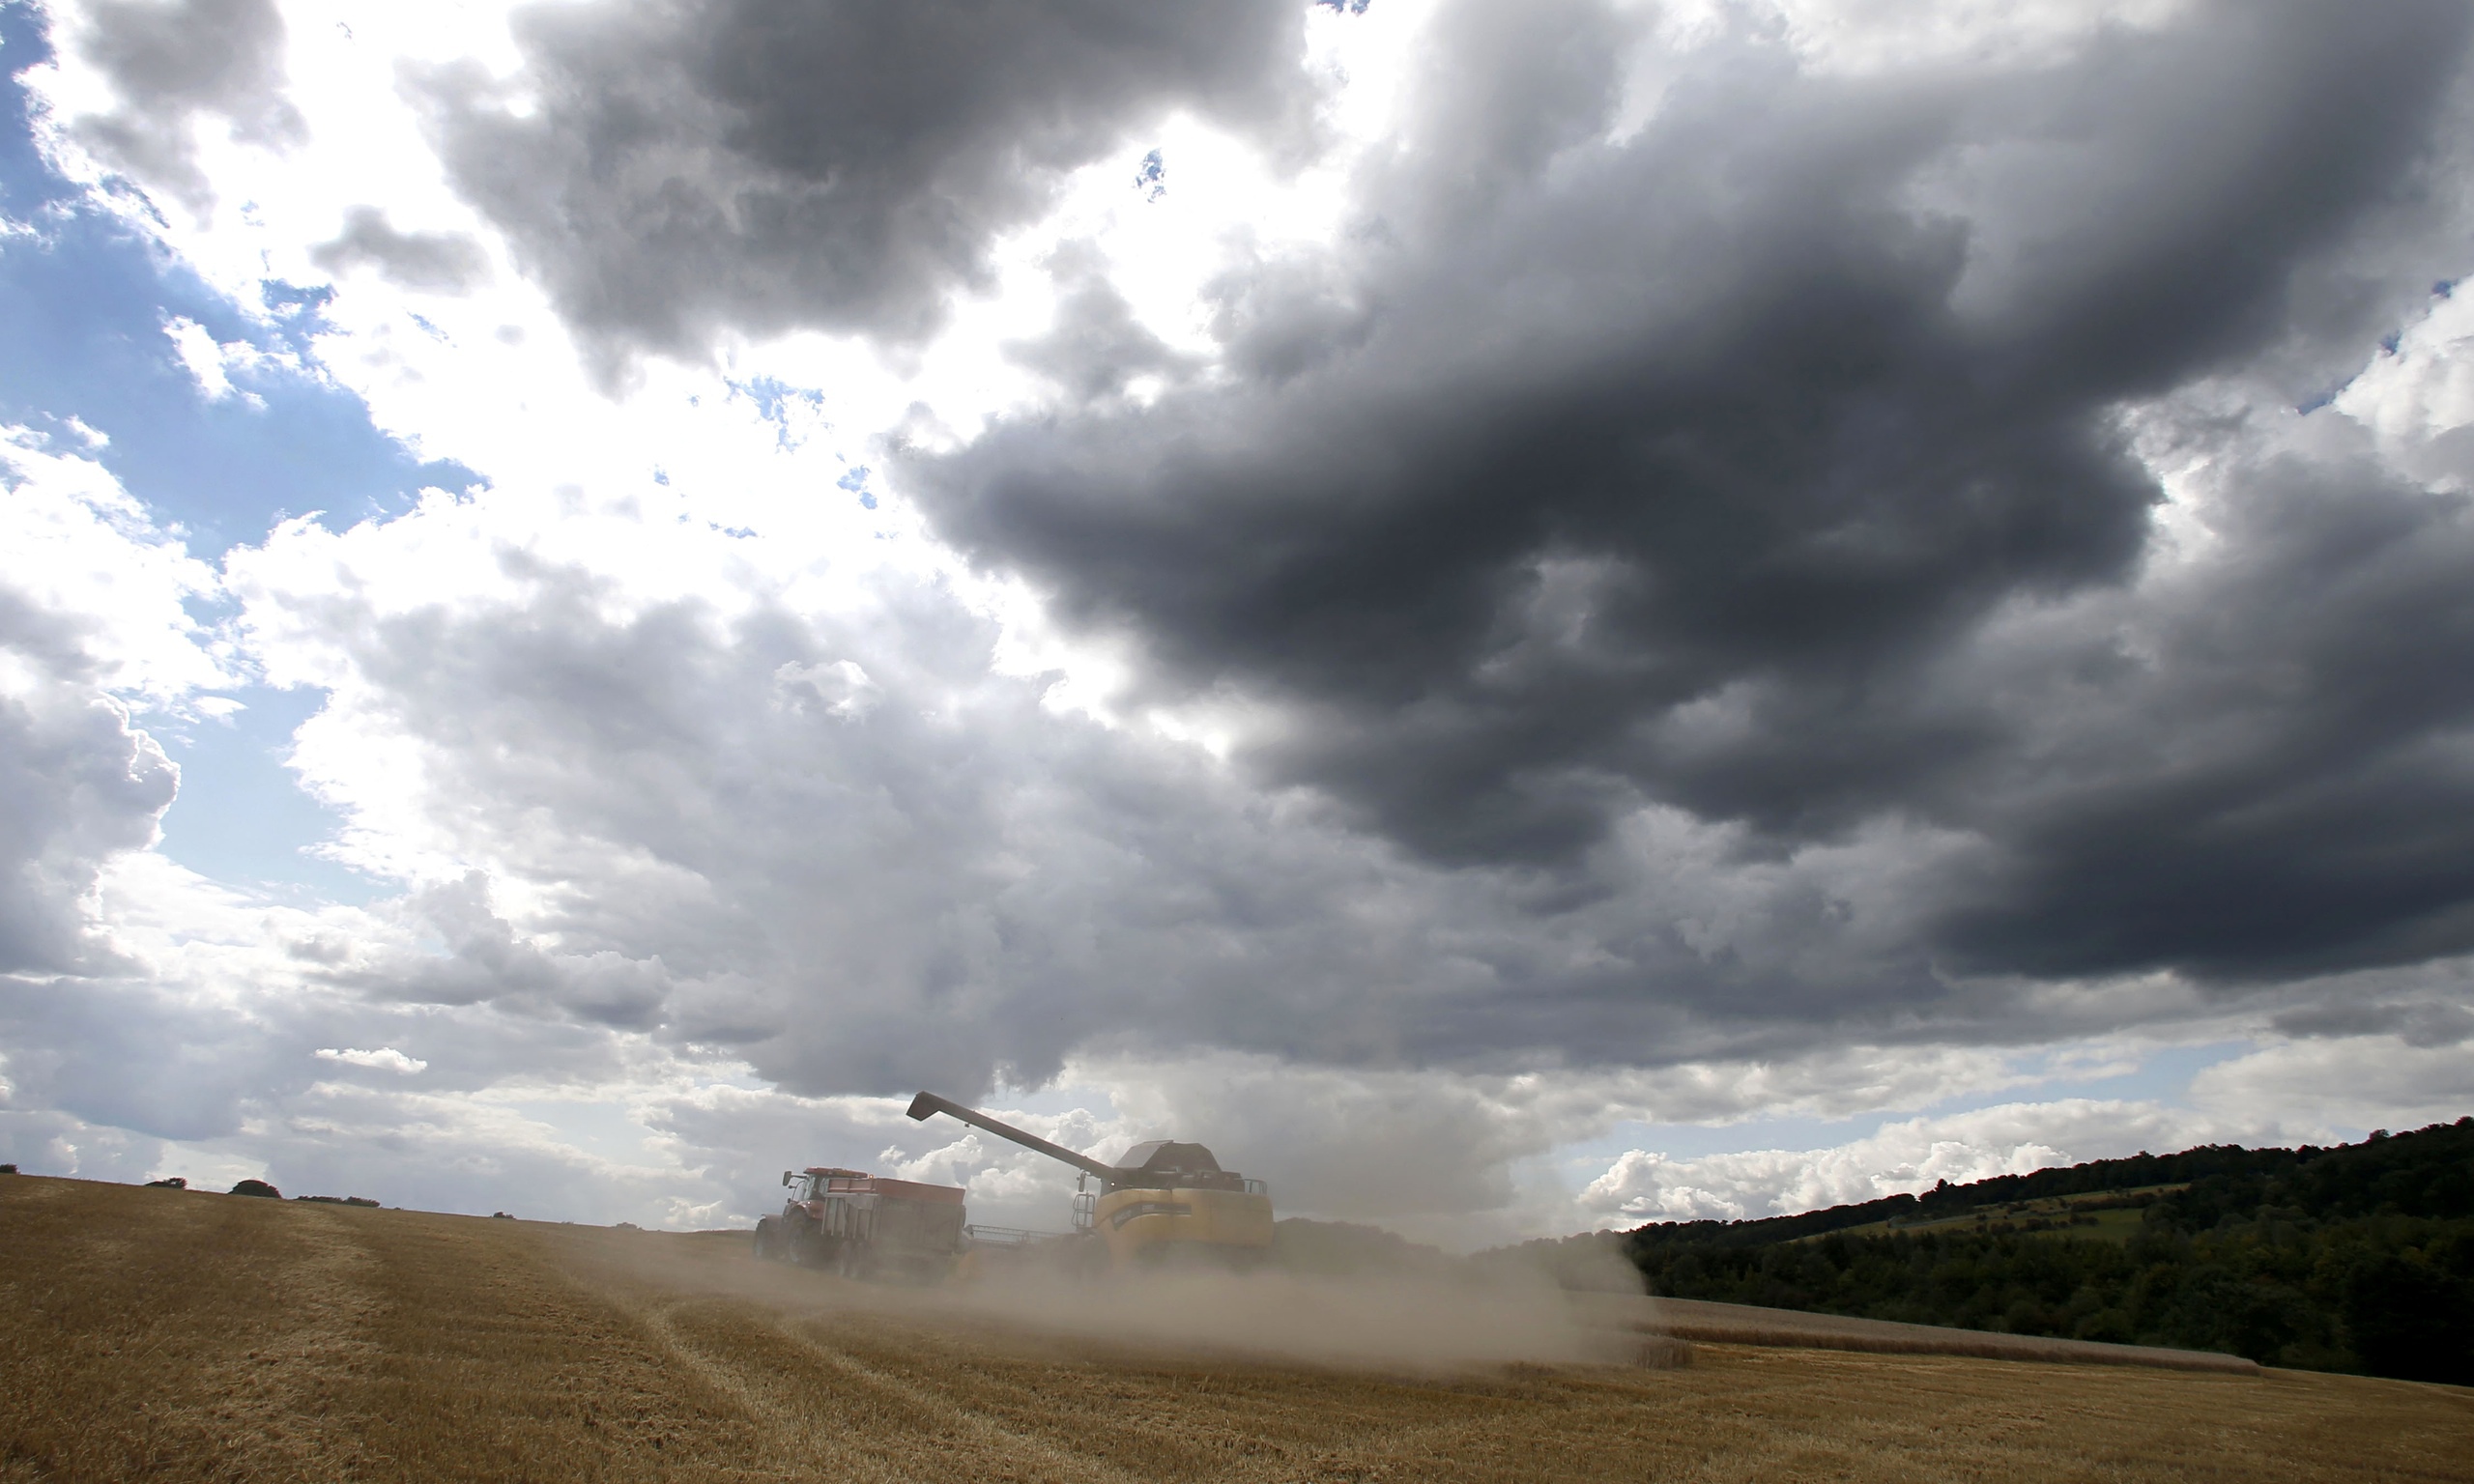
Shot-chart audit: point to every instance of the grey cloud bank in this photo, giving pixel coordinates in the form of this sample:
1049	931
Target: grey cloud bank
1772	464
418	259
762	165
172	61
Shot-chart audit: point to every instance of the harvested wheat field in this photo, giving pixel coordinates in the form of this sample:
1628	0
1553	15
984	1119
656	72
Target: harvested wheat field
169	1334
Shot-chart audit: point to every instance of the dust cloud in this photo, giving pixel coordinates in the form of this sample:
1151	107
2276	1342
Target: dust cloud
1416	1324
1450	1315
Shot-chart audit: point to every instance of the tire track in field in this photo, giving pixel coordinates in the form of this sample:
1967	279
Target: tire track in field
994	1437
1331	1431
795	1431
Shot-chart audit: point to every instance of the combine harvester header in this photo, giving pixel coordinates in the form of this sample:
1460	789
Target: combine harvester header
1165	1201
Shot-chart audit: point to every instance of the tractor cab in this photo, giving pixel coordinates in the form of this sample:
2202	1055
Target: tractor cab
864	1225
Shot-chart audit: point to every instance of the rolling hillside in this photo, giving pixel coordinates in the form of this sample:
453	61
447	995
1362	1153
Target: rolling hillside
2357	1258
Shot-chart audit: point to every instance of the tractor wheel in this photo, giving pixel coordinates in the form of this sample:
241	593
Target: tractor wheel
766	1237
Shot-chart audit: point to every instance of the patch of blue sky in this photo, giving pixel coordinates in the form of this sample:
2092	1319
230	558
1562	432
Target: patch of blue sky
791	410
85	303
240	817
85	298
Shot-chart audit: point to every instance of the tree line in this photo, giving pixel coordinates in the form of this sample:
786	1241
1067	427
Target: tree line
2356	1258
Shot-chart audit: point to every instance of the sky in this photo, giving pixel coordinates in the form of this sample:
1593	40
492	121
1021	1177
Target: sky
1524	618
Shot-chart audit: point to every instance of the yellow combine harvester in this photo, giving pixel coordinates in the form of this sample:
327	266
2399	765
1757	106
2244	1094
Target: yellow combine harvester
1165	1201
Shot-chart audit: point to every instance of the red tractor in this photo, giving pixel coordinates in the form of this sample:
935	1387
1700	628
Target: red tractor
865	1226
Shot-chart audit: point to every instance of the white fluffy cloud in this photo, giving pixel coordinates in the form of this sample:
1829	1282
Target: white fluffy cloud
2285	1092
1901	1158
92	625
387	1057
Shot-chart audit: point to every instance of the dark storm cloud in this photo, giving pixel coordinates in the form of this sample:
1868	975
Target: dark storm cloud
2428	1025
764	166
1697	467
2280	787
843	849
172	60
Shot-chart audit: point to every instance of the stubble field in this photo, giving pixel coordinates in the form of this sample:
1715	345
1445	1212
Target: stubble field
180	1335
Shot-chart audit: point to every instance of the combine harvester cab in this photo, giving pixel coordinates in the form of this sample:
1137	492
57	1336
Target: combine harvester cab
865	1226
1165	1202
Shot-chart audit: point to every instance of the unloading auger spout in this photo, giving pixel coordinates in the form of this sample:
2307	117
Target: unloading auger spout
927	1104
1165	1200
